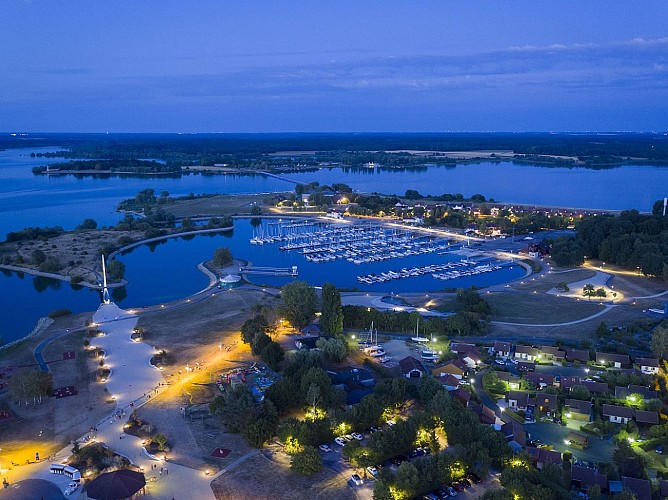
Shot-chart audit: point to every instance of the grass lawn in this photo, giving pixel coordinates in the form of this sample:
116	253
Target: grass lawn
549	281
258	477
219	205
538	308
660	462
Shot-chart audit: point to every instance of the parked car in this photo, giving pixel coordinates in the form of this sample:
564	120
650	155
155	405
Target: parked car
465	482
372	470
373	429
340	441
427	450
325	448
430	496
399	459
659	449
357	436
355	478
452	492
348	437
391	423
458	486
474	478
499	362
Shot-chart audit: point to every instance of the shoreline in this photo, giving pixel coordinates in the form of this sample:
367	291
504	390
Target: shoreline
116	284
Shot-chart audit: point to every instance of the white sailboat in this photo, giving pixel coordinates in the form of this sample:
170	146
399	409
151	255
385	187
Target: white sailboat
417	337
372	348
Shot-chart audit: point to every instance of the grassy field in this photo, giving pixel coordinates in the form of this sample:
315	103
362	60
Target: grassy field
220	205
517	307
260	478
550	281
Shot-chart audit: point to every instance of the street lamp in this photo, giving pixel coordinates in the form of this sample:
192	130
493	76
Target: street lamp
352	336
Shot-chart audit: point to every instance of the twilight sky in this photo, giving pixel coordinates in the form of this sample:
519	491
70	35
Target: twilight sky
386	65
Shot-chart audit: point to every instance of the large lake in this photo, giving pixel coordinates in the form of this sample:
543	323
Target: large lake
167	271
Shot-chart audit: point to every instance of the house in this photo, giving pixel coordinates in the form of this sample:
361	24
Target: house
595	387
542	456
462	395
649	366
454	367
552	353
518	400
501	349
514	433
485	414
461	347
612	359
540	379
568	382
663	489
647	417
311	330
526	366
526	352
307	342
512	380
641	487
578	355
547	402
470	358
450	382
584	477
617	414
579	410
348	375
644	391
411	367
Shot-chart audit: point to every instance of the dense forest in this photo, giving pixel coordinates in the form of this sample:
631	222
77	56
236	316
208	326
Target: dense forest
631	240
116	166
259	150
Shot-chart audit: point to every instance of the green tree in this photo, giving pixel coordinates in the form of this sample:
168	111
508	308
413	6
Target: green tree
580	392
331	321
222	257
273	354
161	440
256	209
307	462
298	303
602	330
253	326
408	478
116	269
588	291
259	342
87	224
660	341
334	350
37	257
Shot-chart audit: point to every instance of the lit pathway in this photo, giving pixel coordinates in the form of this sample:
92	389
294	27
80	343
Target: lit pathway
133	381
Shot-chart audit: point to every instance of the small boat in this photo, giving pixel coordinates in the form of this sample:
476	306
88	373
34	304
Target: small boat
376	352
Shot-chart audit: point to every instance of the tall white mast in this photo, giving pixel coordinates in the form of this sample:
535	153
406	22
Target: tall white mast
105	291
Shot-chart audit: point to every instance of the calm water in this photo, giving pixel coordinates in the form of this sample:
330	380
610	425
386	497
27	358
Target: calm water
167	271
613	189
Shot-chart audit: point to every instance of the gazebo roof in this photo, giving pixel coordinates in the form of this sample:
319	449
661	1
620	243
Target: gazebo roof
116	485
32	488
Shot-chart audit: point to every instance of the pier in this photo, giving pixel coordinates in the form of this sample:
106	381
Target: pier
271	271
279	177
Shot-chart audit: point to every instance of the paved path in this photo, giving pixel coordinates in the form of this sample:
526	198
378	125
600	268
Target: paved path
133	382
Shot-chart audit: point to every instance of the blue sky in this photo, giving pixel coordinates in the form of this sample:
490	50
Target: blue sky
269	66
